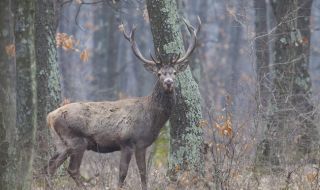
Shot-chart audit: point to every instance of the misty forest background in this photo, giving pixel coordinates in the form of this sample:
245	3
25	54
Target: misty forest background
256	66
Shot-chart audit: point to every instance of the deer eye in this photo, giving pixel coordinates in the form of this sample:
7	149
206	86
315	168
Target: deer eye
174	72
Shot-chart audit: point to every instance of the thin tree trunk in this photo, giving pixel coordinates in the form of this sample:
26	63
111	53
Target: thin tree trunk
262	72
105	58
262	53
233	59
8	158
186	137
25	63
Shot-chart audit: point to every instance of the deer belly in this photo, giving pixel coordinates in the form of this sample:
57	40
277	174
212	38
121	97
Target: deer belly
92	145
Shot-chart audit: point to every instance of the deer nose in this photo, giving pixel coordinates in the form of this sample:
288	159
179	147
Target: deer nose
168	82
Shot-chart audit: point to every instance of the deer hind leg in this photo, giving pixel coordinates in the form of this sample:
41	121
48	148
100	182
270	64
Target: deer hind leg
75	161
56	161
141	162
126	154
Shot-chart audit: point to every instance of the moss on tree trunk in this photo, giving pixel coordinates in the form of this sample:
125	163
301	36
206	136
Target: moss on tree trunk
47	73
25	63
186	137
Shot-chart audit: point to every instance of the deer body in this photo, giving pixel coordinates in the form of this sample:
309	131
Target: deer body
129	125
108	126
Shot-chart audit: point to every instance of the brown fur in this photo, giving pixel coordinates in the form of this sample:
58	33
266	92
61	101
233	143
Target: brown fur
129	125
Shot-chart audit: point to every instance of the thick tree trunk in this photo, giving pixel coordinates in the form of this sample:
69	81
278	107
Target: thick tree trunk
8	158
25	63
186	137
292	109
47	74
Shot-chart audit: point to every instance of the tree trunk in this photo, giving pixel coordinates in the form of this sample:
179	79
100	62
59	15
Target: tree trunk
262	71
8	158
291	106
25	97
186	137
105	58
262	54
233	56
47	74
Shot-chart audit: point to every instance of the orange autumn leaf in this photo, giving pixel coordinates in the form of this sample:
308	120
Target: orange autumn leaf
11	50
311	177
60	38
225	129
68	43
84	56
65	41
305	40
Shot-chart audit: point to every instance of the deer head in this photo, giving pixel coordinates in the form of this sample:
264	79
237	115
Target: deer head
165	71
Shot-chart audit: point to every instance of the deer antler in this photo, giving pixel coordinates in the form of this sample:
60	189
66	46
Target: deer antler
193	42
135	49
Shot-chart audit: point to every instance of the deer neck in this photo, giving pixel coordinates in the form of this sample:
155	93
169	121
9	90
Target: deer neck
162	102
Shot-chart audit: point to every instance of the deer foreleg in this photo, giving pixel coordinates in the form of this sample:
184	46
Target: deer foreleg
126	154
141	162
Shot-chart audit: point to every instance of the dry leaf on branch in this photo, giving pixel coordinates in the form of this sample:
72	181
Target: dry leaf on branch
84	56
11	50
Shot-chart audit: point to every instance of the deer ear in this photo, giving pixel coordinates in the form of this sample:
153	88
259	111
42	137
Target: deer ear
180	67
151	68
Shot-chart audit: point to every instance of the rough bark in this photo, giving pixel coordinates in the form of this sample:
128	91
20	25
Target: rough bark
47	75
186	137
291	106
25	95
7	100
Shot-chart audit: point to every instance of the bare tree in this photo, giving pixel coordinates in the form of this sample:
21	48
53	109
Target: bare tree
291	132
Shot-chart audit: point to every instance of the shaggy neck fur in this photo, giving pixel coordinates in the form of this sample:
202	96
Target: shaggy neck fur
162	100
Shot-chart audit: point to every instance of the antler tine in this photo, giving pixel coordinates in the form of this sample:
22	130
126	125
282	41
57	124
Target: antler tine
199	26
154	59
193	42
171	59
176	58
125	34
134	46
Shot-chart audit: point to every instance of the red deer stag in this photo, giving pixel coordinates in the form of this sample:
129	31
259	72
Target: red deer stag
129	125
